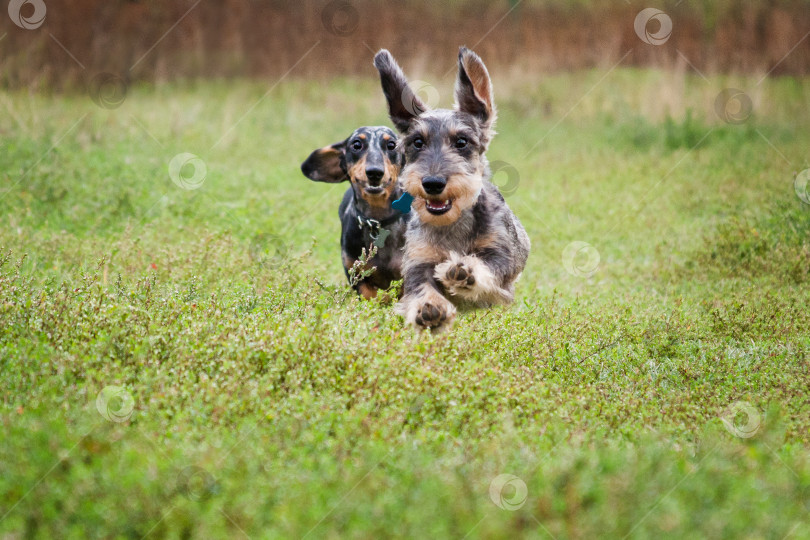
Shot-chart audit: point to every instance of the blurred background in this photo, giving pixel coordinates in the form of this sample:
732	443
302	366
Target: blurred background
149	40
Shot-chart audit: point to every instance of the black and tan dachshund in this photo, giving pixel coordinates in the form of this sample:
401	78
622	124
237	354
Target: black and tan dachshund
371	161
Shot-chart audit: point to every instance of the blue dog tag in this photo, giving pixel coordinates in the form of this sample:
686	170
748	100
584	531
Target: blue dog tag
403	204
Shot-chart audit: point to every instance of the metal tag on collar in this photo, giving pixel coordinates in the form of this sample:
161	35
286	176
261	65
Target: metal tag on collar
379	241
372	224
373	228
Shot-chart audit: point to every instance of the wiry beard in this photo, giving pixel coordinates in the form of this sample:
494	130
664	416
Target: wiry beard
462	190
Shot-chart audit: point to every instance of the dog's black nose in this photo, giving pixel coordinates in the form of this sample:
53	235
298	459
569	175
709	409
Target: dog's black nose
374	175
433	184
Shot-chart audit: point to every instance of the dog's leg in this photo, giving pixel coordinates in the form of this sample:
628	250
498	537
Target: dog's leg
366	291
477	278
364	288
423	304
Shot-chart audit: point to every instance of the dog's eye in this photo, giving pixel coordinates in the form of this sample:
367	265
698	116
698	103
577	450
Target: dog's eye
461	142
391	145
418	143
357	146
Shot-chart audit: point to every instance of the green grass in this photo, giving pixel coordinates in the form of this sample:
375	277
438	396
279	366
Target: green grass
267	401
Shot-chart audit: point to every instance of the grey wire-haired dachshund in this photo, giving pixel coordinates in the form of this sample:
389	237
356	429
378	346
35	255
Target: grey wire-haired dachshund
463	246
370	160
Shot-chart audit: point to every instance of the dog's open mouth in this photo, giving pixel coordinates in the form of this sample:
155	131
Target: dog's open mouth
374	190
438	208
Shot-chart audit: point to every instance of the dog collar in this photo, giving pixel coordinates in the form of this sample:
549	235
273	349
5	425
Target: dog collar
376	228
375	224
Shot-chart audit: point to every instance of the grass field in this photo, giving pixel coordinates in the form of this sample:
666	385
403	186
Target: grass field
190	363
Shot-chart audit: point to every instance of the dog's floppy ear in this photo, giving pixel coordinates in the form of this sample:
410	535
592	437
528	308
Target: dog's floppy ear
403	104
474	90
327	164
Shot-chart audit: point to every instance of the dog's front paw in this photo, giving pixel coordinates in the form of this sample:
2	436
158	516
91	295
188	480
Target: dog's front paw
469	278
428	309
460	275
455	275
431	316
